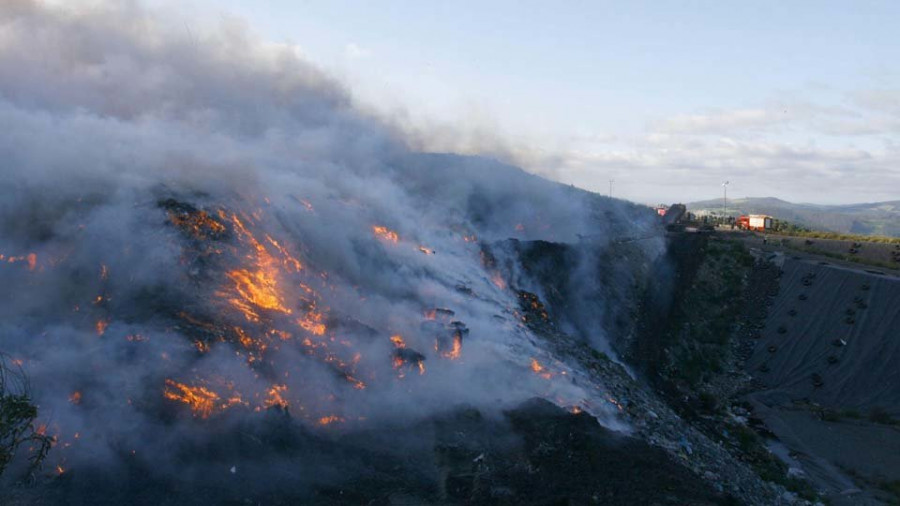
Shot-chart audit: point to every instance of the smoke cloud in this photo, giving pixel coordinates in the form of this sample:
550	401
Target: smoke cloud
199	228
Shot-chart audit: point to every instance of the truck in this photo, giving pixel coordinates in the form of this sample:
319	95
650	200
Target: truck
758	222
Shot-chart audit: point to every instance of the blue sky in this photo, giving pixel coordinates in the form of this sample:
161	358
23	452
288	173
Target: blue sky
799	100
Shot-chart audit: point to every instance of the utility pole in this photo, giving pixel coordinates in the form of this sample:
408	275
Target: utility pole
725	200
611	181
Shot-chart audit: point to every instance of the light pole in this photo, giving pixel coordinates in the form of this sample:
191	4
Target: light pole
611	181
725	200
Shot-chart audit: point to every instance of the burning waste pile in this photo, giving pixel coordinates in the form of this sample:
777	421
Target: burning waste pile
208	252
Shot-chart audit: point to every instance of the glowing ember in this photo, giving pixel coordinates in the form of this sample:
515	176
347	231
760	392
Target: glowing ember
75	398
312	323
385	233
426	251
199	224
498	281
201	400
328	420
101	326
257	286
30	259
398	341
538	369
275	396
455	348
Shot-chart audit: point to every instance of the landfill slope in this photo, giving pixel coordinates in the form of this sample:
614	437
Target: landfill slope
832	337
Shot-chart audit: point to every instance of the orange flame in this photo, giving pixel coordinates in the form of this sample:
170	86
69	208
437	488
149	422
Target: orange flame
101	326
385	233
201	400
330	419
275	397
30	259
258	287
312	323
398	342
455	350
538	369
75	398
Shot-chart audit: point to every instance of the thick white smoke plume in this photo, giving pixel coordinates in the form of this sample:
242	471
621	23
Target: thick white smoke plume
197	227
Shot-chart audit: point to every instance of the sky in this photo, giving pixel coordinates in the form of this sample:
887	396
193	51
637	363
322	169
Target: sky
798	100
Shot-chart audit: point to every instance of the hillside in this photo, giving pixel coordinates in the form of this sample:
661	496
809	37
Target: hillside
876	218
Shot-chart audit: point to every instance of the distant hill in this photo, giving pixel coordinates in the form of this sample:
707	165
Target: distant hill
878	218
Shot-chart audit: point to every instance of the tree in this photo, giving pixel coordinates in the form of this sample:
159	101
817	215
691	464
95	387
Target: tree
17	418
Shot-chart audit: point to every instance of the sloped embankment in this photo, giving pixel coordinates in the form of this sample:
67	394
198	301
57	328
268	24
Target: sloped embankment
832	337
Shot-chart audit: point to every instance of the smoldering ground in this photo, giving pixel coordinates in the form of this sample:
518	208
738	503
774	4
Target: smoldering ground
203	236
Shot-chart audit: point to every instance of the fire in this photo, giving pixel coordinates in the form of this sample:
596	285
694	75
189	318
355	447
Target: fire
275	397
201	400
426	251
30	259
257	287
75	398
385	233
312	323
498	281
60	469
540	370
455	349
199	224
398	342
288	259
330	419
101	326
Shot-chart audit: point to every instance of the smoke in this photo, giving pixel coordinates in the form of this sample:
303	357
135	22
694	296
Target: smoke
199	227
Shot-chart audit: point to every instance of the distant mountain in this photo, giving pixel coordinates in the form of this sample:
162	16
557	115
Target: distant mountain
878	218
